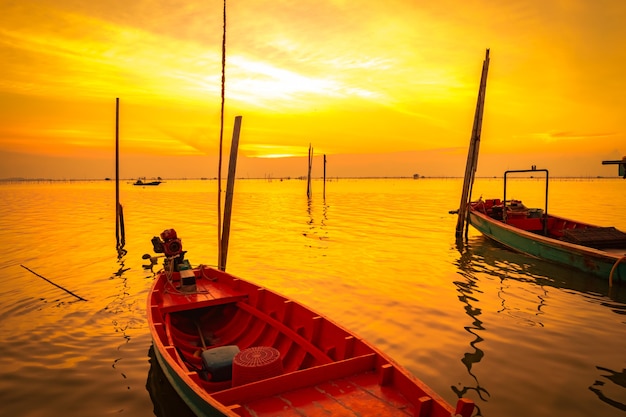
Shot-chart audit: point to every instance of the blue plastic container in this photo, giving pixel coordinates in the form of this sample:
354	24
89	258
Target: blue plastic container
218	362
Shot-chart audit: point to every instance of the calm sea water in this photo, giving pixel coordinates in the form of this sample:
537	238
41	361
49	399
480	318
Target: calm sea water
519	336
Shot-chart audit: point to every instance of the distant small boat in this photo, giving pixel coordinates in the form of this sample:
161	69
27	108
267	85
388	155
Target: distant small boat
600	251
141	182
230	347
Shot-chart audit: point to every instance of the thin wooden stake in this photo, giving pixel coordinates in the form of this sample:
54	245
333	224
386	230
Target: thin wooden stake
56	285
117	172
120	234
308	184
324	192
122	241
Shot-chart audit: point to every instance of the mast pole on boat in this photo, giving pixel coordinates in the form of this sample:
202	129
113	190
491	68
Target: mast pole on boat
472	156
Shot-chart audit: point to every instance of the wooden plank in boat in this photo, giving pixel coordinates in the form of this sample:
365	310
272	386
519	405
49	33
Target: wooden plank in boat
206	295
296	380
350	387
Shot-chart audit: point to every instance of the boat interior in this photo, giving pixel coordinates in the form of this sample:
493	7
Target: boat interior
515	214
229	313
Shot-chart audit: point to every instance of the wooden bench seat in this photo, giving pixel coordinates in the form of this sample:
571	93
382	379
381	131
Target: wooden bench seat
296	380
207	294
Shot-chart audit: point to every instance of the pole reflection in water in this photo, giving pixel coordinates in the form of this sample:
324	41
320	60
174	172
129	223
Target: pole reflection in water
316	229
487	264
466	290
123	309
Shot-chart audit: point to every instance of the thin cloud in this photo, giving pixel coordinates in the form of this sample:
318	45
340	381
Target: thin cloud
564	136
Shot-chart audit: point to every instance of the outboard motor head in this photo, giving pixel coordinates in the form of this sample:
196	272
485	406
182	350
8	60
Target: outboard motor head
172	245
168	244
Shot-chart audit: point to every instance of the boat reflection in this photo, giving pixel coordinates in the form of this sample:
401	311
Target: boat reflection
480	257
166	401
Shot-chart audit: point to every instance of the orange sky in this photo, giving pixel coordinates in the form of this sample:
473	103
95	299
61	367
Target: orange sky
383	88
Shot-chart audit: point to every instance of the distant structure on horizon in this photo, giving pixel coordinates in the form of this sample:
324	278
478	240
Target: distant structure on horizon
621	165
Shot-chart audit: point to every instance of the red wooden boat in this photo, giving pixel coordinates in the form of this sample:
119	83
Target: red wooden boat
232	348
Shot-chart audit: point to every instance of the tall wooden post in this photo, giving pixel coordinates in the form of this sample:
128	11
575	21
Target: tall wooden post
472	156
230	187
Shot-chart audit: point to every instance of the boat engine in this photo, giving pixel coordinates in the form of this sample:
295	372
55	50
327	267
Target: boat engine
170	245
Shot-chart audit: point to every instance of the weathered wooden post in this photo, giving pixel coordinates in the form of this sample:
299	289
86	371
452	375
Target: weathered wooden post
472	156
230	187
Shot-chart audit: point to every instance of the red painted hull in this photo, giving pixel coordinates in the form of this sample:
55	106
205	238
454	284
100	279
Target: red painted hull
324	369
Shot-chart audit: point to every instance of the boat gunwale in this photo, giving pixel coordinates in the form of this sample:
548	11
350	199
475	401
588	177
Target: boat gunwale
550	241
166	357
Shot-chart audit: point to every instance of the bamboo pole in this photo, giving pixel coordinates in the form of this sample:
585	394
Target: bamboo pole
219	165
117	172
230	187
472	157
56	285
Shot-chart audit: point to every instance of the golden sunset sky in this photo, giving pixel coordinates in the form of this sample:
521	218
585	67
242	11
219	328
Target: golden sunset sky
383	88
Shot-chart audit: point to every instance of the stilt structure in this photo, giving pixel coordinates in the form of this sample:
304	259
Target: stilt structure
621	166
